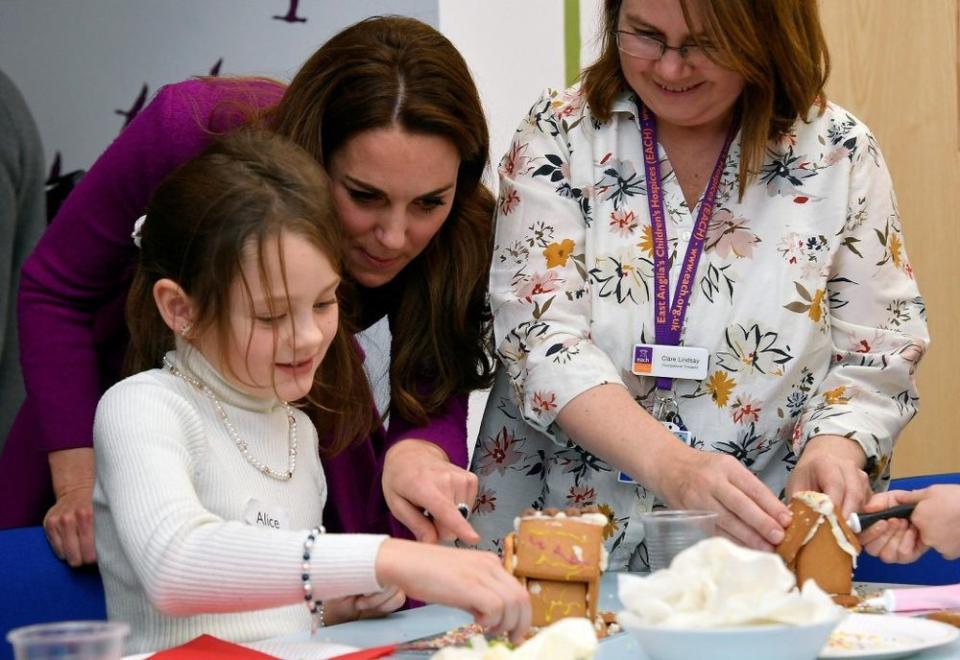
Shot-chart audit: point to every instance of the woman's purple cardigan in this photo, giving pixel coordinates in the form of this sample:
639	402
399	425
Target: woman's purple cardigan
71	309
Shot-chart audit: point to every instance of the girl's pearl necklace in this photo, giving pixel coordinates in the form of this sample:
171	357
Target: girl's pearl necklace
231	429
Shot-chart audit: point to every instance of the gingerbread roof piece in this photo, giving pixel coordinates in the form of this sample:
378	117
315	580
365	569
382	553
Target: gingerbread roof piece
559	549
806	519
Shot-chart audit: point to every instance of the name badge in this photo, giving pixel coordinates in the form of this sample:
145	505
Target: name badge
660	361
682	435
261	514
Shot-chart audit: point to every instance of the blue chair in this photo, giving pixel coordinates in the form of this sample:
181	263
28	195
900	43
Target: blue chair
931	568
36	587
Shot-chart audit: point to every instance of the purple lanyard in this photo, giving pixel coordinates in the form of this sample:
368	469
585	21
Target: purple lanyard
669	319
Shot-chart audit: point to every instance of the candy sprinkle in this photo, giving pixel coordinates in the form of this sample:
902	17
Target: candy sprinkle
853	641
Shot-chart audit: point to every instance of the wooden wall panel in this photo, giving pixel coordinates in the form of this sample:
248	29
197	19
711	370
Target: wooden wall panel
896	66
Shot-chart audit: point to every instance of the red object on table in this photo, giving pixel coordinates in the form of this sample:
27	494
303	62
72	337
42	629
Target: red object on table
207	647
369	654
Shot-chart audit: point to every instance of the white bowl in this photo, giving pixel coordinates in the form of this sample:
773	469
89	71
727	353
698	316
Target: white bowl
772	642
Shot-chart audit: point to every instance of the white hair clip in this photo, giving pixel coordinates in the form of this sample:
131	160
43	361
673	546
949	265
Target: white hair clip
137	234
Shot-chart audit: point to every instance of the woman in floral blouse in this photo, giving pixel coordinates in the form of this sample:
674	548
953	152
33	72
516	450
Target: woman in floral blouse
770	210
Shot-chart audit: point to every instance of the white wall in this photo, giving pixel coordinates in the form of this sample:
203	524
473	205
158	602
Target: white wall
590	25
76	61
515	49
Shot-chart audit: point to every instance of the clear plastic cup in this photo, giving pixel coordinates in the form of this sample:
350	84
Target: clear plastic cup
69	640
668	532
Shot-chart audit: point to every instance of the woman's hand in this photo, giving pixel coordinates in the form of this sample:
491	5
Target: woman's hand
607	422
417	478
69	522
749	513
367	606
833	465
471	580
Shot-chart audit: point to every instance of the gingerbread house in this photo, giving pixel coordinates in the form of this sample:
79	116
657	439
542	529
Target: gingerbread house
559	557
819	545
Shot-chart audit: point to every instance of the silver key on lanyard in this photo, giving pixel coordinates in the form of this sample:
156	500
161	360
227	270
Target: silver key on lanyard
665	407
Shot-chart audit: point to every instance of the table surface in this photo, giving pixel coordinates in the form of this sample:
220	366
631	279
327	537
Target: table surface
437	619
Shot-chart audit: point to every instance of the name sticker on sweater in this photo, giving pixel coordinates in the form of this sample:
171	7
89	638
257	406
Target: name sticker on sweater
262	514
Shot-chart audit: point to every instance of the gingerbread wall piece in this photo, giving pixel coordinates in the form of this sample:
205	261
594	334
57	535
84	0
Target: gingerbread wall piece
819	545
558	557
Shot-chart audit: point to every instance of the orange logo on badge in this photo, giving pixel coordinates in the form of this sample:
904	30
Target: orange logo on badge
642	359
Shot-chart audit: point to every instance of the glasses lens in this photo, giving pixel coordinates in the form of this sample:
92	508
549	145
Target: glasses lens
638	45
704	56
649	48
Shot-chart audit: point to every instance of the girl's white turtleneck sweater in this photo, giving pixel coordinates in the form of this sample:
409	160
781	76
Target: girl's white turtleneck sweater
191	538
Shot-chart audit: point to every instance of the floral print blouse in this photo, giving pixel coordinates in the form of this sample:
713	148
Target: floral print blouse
804	299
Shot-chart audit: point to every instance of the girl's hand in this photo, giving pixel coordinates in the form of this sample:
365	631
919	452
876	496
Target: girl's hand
749	513
833	465
418	477
367	606
468	579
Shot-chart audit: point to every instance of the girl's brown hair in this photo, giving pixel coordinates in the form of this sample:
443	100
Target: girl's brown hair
394	71
776	45
245	188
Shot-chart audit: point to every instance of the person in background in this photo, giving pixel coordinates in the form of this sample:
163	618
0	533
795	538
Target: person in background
934	523
209	481
22	221
700	293
389	108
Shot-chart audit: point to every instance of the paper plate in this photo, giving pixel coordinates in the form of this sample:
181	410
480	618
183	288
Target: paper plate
885	636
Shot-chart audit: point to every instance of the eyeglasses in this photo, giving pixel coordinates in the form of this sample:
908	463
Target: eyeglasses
649	47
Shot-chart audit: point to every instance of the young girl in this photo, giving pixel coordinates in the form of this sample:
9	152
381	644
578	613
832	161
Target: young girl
210	492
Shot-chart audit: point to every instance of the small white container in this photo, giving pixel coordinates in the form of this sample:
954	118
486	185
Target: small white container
764	642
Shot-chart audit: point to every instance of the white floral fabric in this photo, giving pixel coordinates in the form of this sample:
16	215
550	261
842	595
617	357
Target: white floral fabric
804	299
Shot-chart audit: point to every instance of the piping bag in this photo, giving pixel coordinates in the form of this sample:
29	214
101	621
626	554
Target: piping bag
914	599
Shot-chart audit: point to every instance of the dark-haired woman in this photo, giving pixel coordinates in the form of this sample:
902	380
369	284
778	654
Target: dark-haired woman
699	288
389	108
